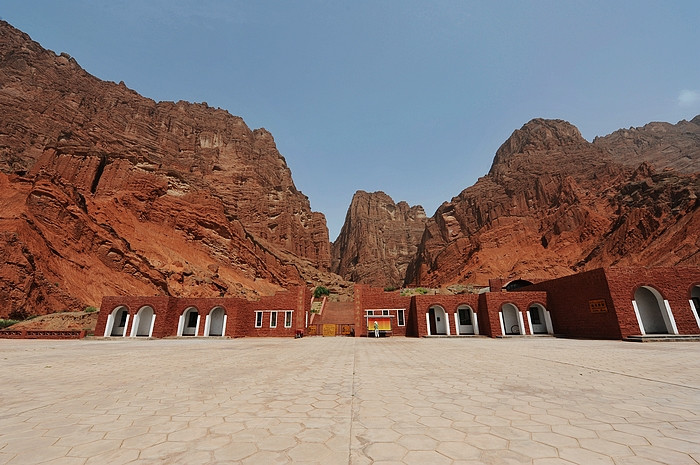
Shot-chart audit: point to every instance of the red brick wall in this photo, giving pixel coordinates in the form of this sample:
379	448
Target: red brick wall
367	298
494	301
134	304
449	303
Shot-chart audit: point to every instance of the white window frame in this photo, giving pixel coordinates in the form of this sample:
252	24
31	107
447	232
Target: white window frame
288	315
273	317
401	312
258	317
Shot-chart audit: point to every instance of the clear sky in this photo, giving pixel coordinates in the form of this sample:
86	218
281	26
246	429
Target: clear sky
411	97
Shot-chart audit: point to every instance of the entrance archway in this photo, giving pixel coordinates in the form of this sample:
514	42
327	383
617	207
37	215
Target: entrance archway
437	321
539	319
143	322
466	320
511	320
117	321
189	322
695	303
653	314
215	324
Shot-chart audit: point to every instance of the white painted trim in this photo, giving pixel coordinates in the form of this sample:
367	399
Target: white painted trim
475	323
223	328
639	318
427	320
276	316
135	326
207	324
110	323
695	312
447	322
180	324
672	320
306	320
521	323
153	322
403	311
291	318
126	324
548	321
457	323
503	323
261	318
196	328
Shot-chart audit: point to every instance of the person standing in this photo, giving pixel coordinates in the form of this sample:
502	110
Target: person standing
376	329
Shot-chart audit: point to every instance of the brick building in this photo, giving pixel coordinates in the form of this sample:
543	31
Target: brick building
607	303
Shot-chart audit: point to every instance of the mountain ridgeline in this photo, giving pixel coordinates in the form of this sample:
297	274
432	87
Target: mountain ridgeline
106	192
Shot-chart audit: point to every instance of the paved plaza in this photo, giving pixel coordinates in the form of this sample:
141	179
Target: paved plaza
344	401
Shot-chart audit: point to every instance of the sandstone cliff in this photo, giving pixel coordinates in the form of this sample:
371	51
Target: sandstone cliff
107	192
554	203
378	240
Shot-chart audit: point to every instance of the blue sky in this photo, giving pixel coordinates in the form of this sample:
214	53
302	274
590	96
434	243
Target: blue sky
409	97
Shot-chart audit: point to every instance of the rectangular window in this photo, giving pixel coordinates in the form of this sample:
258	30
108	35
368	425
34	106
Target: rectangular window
288	319
401	318
258	319
273	319
465	316
385	312
535	316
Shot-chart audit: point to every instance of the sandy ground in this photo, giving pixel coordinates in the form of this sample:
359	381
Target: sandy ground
67	321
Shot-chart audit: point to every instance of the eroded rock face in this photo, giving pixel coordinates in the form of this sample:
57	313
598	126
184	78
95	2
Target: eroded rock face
552	204
378	240
108	192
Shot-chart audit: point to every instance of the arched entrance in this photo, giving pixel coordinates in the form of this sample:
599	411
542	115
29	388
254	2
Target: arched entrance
539	319
437	321
189	322
653	313
215	323
695	303
466	320
143	322
511	320
117	321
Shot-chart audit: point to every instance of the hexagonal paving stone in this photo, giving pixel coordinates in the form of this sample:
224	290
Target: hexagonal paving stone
420	457
235	452
458	450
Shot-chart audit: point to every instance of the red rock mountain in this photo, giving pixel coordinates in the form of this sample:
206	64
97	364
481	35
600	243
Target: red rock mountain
554	203
378	240
104	191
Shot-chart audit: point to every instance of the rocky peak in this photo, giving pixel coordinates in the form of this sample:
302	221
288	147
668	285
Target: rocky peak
378	239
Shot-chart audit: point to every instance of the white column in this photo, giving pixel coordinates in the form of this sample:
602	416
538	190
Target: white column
672	320
548	322
110	324
427	320
207	325
153	322
223	328
126	325
135	326
457	323
521	323
196	328
180	324
639	318
695	312
529	321
447	322
503	325
475	322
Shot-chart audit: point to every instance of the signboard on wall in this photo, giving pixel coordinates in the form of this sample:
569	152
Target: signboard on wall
384	322
598	306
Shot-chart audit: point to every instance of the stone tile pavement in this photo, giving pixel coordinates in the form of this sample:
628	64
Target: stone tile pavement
537	401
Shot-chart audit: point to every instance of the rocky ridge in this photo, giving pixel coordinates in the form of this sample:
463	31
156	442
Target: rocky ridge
378	240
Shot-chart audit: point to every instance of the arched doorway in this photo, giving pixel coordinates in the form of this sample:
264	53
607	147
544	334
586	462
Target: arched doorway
143	322
466	320
189	322
511	320
653	314
437	321
117	321
215	324
539	319
695	303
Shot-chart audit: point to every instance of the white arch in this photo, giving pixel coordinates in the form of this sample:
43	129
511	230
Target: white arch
695	303
143	322
511	320
468	325
653	312
215	322
442	323
188	326
539	319
117	322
